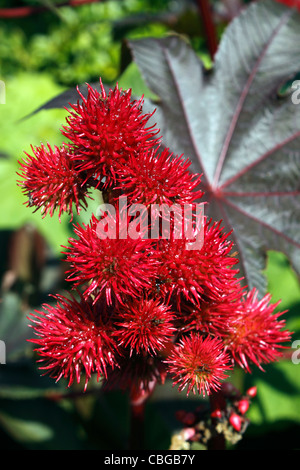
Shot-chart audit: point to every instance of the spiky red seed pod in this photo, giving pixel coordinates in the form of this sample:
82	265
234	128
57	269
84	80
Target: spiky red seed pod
243	405
114	266
236	421
198	364
210	316
154	177
201	273
255	335
73	340
105	129
50	181
145	325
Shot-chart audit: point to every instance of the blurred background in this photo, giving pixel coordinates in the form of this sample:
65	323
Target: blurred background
46	48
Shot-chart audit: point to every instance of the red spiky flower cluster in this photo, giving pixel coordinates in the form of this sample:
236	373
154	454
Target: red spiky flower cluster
114	266
151	303
199	363
50	182
164	180
105	131
78	326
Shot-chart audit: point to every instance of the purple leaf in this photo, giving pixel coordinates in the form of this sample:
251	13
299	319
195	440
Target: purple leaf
236	129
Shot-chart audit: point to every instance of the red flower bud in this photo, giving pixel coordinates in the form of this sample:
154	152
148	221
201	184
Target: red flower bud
188	433
251	392
189	419
243	406
236	421
216	414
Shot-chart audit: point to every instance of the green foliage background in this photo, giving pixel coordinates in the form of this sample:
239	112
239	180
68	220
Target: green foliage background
40	56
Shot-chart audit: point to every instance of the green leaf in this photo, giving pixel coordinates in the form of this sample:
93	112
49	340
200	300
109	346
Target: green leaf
25	431
24	93
284	286
278	397
41	424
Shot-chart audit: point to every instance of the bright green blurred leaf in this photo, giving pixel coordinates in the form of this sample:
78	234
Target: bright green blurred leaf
24	94
278	397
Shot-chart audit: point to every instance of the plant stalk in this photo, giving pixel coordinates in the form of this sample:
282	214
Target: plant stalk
137	426
217	402
138	402
209	26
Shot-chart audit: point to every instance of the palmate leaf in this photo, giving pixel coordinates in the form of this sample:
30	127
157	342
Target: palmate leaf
235	127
